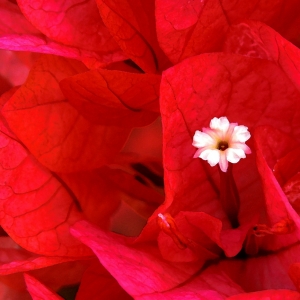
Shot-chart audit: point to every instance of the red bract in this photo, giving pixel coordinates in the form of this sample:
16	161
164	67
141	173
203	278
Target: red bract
255	39
14	68
136	266
132	24
38	291
44	197
248	91
187	28
53	271
65	27
57	134
265	272
203	238
136	189
70	23
271	294
224	89
71	152
105	288
191	94
38	199
140	273
15	259
97	196
114	97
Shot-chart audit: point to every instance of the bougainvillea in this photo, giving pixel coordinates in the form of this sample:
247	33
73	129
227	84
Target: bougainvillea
105	104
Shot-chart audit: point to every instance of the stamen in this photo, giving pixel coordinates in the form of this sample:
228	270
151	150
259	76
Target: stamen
189	247
284	226
168	225
259	231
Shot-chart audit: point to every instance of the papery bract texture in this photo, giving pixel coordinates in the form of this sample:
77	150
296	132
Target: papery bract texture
138	270
97	196
277	206
41	200
17	33
132	24
9	292
248	91
206	237
97	283
54	131
141	197
187	28
255	39
209	285
262	272
71	23
54	272
75	169
114	98
30	194
16	260
281	153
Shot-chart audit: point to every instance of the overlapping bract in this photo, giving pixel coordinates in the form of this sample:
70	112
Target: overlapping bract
73	163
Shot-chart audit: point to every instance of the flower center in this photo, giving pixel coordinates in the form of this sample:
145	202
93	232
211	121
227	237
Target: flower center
222	145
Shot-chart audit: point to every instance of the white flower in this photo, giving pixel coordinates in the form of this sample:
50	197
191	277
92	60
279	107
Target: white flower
223	142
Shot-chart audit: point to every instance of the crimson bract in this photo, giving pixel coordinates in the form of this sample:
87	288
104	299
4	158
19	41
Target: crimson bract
104	106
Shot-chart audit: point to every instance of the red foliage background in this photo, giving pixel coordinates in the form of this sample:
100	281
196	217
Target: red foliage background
99	104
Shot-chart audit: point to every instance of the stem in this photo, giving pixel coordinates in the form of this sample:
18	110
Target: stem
229	196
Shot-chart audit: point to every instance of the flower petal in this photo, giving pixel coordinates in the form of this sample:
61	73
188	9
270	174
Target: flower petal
221	124
234	155
241	134
201	139
223	161
213	157
241	146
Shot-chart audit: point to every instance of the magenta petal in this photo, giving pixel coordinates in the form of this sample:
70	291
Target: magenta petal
265	272
210	284
269	294
138	270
